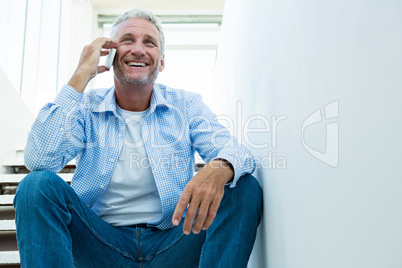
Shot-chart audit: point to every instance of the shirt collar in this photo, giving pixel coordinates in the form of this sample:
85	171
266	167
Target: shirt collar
157	99
109	102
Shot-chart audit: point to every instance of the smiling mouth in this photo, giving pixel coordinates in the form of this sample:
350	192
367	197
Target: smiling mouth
136	64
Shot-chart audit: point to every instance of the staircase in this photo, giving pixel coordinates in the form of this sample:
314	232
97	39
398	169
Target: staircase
14	164
9	256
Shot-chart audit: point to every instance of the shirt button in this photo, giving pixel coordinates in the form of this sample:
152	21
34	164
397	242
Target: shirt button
111	160
101	186
120	135
61	129
73	101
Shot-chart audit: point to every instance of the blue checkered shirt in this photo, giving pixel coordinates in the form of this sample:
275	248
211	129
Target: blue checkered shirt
86	126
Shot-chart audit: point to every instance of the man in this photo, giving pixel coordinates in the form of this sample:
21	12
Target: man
134	146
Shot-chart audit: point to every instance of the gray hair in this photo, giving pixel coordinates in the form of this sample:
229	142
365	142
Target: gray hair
138	13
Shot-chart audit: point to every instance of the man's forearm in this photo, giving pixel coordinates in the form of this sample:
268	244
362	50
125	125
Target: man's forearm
79	81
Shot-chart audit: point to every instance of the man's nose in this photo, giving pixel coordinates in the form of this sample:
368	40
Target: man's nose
137	48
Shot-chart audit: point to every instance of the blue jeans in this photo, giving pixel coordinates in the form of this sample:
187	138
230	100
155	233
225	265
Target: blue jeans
56	229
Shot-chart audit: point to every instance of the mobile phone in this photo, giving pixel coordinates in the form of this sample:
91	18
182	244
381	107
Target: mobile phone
110	58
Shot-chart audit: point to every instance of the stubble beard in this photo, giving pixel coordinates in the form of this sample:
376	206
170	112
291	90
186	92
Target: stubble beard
139	82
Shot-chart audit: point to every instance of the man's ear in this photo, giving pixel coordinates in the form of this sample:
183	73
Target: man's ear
162	66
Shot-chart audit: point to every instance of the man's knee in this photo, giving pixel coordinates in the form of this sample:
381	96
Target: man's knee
250	189
38	179
35	184
243	202
246	195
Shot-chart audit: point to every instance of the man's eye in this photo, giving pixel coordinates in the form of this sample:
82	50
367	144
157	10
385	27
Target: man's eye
127	41
149	42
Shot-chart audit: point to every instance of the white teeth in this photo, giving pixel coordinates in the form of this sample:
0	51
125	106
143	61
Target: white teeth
137	64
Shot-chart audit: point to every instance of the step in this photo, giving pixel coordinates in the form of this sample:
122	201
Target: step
7	225
14	179
11	179
15	164
9	257
6	200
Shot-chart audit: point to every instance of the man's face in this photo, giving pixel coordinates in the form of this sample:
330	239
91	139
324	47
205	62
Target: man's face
138	56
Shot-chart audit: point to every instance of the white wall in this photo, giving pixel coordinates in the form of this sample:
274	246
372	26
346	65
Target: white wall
15	118
291	58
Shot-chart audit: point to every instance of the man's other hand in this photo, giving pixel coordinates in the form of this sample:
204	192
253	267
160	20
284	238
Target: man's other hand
203	193
88	65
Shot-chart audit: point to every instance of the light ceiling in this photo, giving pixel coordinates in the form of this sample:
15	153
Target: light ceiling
161	7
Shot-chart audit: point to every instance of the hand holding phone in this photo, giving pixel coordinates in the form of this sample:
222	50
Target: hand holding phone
110	58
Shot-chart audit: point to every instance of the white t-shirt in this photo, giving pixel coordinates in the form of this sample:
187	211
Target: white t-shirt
131	196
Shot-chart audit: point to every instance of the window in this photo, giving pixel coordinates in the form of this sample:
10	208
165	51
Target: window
12	20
